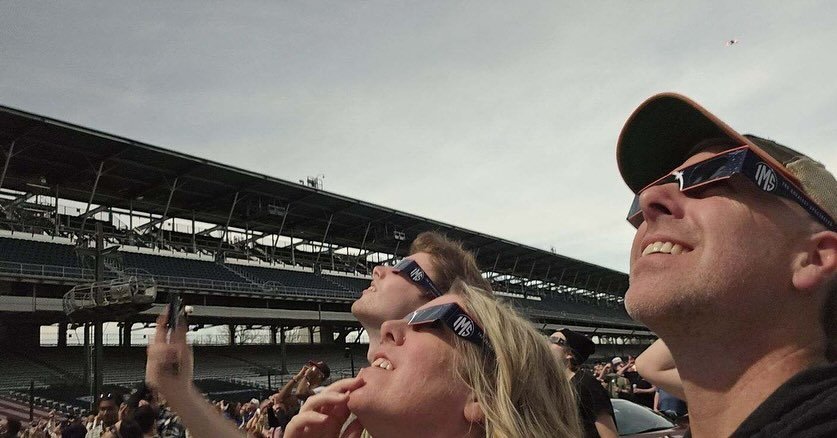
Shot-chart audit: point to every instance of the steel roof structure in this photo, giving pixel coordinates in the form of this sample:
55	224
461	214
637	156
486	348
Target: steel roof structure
56	158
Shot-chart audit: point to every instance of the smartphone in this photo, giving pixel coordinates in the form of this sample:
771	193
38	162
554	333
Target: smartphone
175	309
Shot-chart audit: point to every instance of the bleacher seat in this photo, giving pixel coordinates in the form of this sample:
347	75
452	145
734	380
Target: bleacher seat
179	267
352	284
37	253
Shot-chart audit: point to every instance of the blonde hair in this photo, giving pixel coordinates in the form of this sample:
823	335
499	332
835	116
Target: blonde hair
521	388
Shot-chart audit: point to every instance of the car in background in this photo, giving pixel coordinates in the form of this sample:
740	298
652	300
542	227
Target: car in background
635	420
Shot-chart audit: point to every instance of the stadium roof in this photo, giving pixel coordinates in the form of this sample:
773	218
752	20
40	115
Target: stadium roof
49	156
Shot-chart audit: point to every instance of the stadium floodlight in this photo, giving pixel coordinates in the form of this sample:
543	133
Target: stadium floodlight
117	299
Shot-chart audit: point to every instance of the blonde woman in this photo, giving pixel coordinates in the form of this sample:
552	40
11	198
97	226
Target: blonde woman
461	365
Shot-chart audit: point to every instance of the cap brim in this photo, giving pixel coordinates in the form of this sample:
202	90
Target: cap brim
661	132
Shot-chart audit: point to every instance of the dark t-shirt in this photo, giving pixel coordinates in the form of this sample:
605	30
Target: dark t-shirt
592	400
647	399
803	407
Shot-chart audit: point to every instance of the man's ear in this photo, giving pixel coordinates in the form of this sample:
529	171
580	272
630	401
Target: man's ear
473	411
818	263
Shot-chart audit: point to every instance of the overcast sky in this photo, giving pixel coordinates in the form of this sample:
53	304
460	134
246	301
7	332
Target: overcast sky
500	117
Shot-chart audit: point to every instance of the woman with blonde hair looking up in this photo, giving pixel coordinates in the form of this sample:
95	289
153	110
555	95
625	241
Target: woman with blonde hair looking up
462	364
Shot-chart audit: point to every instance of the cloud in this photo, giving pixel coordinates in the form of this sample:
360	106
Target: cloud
498	117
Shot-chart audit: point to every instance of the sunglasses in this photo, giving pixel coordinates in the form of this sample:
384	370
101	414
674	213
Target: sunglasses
455	318
411	270
108	396
723	166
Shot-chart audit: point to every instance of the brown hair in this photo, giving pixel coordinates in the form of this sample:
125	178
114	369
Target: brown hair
451	261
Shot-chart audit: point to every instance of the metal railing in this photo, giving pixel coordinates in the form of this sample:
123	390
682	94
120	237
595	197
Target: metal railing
45	271
304	292
575	316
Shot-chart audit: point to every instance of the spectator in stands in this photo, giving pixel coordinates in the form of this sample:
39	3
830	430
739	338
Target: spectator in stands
642	391
146	418
279	412
309	384
734	265
107	414
618	386
461	365
9	427
594	407
669	405
90	421
74	430
125	428
247	411
432	266
167	423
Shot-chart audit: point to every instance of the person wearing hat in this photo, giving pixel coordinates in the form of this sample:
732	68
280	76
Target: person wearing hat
594	407
734	266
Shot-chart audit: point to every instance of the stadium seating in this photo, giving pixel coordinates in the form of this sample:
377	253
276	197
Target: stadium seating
305	280
37	253
19	371
180	267
350	283
121	366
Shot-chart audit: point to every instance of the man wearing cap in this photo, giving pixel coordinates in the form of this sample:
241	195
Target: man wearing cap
618	386
594	407
734	266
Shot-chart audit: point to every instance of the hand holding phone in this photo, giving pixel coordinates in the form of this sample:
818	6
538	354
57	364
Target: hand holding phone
175	311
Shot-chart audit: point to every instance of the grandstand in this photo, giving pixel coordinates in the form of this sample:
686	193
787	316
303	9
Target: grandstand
242	248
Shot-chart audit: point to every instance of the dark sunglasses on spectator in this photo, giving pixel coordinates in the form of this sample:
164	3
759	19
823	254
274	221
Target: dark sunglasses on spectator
739	161
455	318
411	270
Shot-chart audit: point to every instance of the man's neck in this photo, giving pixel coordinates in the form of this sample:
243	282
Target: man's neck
726	381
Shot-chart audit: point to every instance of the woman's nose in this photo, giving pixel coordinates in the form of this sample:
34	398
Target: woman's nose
393	331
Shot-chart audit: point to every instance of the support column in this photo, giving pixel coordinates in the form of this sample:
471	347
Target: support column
310	334
283	349
98	362
231	328
327	334
273	331
62	335
87	360
126	333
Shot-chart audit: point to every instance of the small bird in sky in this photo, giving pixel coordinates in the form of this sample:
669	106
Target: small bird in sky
731	42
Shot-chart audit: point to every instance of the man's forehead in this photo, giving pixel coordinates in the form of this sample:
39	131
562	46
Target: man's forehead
704	151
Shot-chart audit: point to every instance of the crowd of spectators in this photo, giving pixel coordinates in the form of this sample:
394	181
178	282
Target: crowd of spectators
622	381
143	415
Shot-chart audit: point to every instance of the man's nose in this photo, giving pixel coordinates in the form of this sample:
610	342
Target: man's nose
660	201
